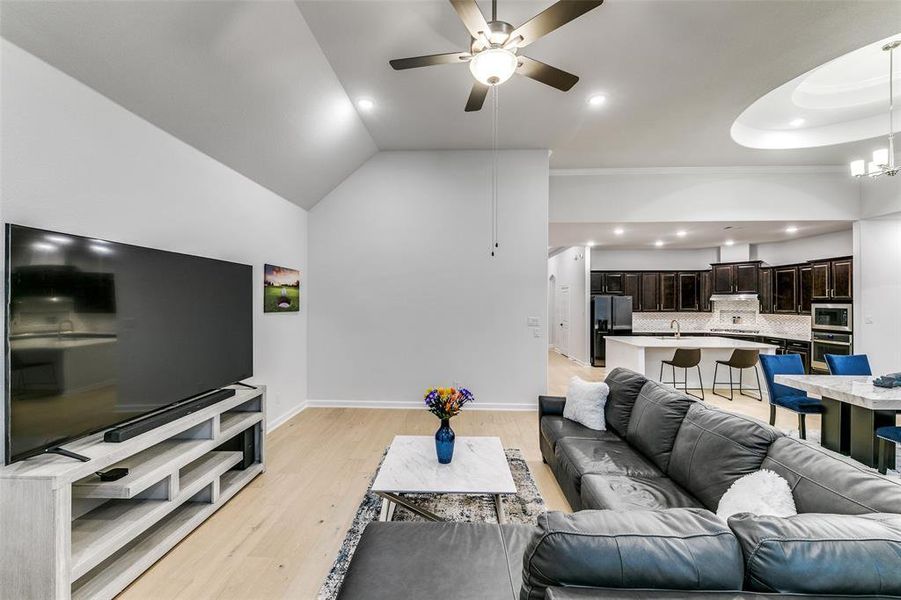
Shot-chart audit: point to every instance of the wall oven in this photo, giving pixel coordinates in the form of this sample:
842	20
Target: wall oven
823	343
831	317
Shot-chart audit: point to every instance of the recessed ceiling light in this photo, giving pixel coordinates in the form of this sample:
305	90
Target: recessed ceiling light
619	231
791	229
730	242
597	100
365	104
681	233
590	244
797	122
658	243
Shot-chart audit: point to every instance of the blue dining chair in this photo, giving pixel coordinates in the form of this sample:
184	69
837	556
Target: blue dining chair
784	396
888	437
848	364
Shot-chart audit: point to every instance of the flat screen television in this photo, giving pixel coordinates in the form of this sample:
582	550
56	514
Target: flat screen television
99	333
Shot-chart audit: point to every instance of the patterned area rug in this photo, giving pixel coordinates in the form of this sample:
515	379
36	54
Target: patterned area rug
524	507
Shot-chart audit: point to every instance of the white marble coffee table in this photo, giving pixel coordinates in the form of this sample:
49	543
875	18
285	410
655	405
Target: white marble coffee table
411	466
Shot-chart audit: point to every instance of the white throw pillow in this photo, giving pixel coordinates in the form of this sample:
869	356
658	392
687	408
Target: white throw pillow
760	493
585	402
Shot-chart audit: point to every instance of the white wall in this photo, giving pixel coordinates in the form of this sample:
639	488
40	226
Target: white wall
405	294
877	292
571	267
663	259
76	162
702	194
787	252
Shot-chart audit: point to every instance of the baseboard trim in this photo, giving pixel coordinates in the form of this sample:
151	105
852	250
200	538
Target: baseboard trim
412	404
296	410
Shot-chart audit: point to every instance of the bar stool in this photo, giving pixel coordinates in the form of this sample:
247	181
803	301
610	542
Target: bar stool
685	358
741	359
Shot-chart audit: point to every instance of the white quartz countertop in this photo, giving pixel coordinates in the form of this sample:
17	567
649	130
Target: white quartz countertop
778	335
710	342
859	391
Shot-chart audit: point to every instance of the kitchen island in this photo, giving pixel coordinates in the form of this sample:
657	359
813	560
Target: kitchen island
645	353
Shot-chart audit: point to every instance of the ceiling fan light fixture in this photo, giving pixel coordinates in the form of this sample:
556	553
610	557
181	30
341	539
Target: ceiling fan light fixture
493	66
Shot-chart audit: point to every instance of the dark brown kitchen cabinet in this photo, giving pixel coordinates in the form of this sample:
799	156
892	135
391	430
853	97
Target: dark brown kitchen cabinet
723	281
785	290
650	292
736	278
821	281
841	280
689	286
668	292
607	283
805	291
632	287
706	288
766	290
801	349
832	280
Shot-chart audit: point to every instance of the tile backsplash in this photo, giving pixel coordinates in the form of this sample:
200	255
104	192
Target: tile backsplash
727	314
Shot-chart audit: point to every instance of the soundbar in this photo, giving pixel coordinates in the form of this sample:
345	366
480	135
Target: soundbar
145	424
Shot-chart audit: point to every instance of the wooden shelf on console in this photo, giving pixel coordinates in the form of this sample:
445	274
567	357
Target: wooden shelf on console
234	422
107	528
141	553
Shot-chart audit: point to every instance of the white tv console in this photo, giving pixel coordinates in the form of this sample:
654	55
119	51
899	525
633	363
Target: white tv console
66	534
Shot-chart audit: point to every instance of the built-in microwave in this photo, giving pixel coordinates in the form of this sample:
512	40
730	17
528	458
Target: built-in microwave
831	317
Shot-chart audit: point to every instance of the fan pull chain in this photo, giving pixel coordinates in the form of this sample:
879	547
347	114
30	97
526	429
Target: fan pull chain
494	203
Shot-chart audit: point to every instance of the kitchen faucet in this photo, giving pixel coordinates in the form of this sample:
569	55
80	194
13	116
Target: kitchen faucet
59	327
678	327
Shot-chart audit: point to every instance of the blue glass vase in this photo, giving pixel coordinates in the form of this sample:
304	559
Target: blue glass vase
444	442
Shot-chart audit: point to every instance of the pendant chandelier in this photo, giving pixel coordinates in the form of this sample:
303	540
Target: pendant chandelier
883	162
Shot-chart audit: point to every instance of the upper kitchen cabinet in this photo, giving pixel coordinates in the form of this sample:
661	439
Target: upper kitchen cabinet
632	287
736	278
832	280
607	283
766	290
785	290
688	285
805	288
650	292
705	284
668	292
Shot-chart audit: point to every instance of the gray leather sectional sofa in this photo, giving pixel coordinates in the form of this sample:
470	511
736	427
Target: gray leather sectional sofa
645	492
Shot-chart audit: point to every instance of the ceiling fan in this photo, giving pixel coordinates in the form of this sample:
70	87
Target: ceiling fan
492	54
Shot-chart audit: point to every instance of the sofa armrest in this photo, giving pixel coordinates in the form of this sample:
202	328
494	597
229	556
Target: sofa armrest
681	548
550	405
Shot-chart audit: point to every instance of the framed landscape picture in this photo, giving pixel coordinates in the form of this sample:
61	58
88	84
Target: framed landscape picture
281	289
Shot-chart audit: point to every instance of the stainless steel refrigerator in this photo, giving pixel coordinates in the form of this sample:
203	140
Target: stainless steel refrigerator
610	315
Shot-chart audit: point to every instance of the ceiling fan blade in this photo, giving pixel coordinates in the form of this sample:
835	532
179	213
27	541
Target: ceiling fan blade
428	61
557	15
546	74
472	17
477	96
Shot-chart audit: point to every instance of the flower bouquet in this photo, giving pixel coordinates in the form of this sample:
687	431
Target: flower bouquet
445	403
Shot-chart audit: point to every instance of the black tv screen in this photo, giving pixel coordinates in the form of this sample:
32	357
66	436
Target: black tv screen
99	333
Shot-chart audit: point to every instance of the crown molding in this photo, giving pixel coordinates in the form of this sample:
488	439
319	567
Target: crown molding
747	170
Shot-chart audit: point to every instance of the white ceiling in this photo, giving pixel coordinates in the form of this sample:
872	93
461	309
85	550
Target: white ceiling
844	100
676	73
244	82
642	236
268	91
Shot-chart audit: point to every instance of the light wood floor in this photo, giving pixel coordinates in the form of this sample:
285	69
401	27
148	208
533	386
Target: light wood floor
278	537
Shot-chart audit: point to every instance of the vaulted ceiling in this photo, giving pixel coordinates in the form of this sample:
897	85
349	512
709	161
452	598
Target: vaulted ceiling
269	88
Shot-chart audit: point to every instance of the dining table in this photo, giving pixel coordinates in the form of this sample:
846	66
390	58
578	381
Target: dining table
853	408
